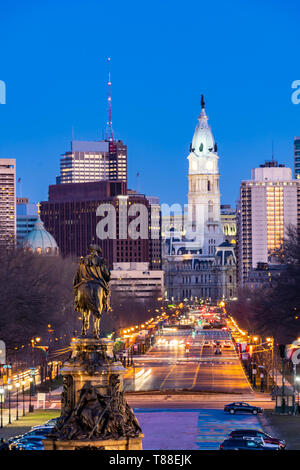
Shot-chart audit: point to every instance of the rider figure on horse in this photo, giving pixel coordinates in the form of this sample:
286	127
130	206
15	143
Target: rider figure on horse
91	288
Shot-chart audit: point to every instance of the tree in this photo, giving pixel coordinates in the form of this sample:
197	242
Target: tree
274	310
35	291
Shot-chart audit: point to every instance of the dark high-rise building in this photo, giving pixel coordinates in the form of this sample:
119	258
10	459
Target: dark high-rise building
70	215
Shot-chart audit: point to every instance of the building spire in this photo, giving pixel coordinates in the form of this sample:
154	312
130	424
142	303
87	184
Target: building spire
109	129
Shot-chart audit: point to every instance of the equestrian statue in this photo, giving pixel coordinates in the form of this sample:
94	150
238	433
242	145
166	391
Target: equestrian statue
91	289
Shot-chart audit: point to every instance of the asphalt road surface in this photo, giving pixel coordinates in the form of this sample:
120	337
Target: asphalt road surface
169	366
196	429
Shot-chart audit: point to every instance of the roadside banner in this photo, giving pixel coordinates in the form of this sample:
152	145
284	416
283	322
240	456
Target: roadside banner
2	352
292	352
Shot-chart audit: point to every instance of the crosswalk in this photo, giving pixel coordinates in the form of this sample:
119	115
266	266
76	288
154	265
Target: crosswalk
209	362
191	361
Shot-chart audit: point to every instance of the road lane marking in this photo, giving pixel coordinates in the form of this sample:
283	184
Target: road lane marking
196	374
166	378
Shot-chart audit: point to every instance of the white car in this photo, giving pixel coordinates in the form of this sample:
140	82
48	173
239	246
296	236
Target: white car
261	441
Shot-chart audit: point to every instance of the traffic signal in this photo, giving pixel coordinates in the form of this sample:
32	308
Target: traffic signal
282	350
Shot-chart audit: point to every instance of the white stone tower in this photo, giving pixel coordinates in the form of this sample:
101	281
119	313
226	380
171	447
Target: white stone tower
204	223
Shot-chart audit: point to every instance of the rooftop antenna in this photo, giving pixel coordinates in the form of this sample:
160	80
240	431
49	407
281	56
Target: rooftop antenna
109	130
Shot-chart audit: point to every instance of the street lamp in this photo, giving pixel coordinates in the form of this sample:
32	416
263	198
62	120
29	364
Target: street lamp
30	391
1	406
17	411
270	342
9	387
23	393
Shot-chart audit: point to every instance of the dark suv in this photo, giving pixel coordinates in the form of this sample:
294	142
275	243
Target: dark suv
242	444
239	433
242	407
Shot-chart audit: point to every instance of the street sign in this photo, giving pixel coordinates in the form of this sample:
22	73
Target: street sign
41	397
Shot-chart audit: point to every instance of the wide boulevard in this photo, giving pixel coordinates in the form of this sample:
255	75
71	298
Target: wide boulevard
169	365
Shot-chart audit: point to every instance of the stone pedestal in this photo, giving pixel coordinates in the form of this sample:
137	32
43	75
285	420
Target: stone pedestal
133	443
94	414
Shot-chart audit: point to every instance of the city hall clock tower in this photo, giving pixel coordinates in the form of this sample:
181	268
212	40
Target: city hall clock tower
203	221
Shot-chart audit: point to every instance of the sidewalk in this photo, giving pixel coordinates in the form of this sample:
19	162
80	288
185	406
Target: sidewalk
53	401
26	422
284	427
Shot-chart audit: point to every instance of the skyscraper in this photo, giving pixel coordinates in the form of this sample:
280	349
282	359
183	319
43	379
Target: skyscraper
71	217
99	160
297	157
26	218
7	201
267	207
94	161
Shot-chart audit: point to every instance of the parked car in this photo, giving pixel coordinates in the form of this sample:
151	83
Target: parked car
237	433
28	443
3	444
42	426
12	439
241	407
243	444
39	432
52	422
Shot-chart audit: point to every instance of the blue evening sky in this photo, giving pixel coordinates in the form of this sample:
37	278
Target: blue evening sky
243	55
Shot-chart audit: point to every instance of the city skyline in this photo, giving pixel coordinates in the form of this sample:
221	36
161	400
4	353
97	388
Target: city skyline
155	103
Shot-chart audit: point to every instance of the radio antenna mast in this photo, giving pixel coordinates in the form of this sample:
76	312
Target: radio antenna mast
109	129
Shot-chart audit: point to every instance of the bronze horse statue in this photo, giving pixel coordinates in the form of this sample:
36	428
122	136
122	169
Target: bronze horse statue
91	289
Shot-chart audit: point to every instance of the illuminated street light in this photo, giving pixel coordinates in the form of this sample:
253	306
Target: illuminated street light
9	387
2	391
23	394
30	393
17	410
